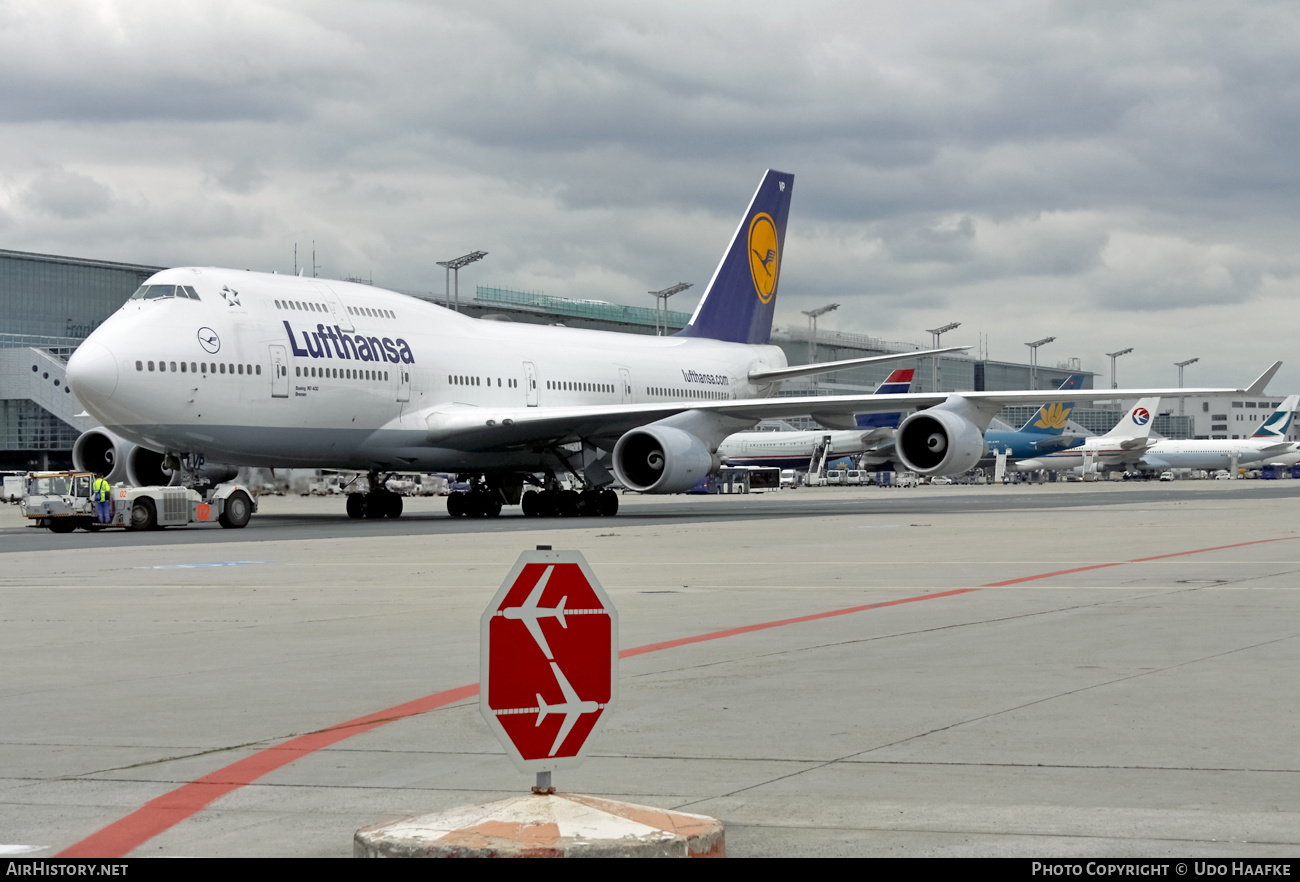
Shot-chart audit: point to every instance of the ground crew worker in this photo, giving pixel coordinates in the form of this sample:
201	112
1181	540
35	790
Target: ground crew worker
101	493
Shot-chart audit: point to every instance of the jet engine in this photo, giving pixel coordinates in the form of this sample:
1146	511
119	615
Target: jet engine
147	467
102	452
939	442
662	459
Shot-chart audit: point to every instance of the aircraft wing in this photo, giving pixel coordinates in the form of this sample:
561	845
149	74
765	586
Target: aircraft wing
1275	449
462	427
826	367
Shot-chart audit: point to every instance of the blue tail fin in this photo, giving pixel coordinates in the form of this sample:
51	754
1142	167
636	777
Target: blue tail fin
738	304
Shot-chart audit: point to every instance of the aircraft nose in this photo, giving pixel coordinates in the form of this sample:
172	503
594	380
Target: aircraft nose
92	373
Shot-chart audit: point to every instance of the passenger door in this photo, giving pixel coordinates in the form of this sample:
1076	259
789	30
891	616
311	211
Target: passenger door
279	372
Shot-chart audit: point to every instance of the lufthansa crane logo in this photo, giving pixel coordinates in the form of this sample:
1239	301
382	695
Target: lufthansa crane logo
209	340
763	259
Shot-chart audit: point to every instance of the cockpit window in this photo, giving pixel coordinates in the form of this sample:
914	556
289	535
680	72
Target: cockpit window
155	292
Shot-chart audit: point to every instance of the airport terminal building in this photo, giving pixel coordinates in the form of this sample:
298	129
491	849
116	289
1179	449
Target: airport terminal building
51	303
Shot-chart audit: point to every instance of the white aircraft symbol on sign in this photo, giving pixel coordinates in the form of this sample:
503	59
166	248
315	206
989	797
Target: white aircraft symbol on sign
530	612
572	708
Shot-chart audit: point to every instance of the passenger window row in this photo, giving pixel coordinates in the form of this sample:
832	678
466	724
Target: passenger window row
301	305
461	380
203	367
373	313
339	373
573	386
707	394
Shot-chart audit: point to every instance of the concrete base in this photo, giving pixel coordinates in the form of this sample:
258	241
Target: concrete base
555	825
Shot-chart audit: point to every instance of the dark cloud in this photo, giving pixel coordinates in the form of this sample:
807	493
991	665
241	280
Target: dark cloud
1058	167
67	194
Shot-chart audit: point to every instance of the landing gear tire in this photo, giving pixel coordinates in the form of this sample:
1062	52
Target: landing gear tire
392	505
568	503
143	515
607	504
356	505
456	505
238	509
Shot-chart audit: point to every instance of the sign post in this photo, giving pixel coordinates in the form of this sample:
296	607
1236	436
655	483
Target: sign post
548	661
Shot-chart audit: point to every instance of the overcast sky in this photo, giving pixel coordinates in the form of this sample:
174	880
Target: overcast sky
1113	174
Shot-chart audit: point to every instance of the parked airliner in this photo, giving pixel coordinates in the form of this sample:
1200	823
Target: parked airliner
1266	445
1042	432
1121	446
206	369
873	439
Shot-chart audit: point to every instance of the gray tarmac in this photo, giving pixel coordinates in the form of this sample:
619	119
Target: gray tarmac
1138	703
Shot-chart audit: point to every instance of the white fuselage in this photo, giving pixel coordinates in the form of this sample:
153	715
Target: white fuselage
1213	454
795	449
1101	452
271	370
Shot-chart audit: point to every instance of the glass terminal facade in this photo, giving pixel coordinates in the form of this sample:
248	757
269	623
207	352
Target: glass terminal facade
51	304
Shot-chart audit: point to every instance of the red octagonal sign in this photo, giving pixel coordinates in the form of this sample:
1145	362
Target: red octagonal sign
548	660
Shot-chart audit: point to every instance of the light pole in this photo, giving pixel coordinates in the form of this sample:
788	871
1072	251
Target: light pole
664	295
1033	360
455	264
1180	365
812	332
935	334
1112	356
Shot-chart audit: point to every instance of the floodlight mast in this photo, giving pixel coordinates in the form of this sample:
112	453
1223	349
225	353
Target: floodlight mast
812	332
1033	360
1180	365
454	265
935	334
664	295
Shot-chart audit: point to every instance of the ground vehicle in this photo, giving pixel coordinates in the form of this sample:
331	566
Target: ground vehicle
15	487
62	502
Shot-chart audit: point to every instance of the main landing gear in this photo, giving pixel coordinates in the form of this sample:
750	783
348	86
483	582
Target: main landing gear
380	502
487	495
570	503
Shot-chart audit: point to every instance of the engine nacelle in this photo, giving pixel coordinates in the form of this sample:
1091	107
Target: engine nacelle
662	459
145	467
102	452
939	442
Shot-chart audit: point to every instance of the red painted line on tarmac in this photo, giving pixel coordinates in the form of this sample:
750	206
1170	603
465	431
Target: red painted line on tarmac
1216	548
1138	560
161	814
748	629
1058	573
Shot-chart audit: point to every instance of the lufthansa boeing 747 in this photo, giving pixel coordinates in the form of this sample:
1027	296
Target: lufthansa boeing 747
204	370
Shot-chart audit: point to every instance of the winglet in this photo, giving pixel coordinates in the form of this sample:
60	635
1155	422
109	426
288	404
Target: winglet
1257	387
